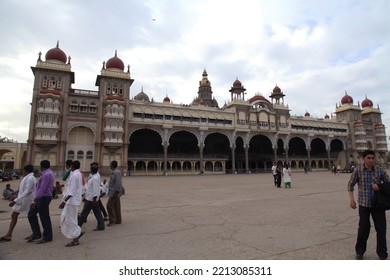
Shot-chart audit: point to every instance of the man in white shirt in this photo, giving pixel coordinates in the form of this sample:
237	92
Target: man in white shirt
274	173
70	205
23	201
92	194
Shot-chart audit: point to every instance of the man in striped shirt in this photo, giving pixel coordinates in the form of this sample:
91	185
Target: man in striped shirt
368	176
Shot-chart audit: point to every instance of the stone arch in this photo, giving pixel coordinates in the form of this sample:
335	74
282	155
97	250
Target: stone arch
183	142
145	141
159	132
297	146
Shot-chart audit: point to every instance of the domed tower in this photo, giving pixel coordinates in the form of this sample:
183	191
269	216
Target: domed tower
375	130
367	103
53	80
114	90
142	96
276	95
346	110
205	93
237	90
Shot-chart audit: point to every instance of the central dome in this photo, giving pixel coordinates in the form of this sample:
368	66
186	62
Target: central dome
115	63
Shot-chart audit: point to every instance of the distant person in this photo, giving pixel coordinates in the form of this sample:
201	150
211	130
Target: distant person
23	201
57	190
334	169
40	205
287	176
92	196
70	205
8	192
368	176
273	168
103	188
114	194
278	176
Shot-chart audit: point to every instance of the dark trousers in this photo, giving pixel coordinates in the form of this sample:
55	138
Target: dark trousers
42	208
114	210
275	183
379	218
88	206
278	180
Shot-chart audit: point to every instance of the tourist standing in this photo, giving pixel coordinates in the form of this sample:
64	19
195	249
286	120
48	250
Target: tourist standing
287	176
114	194
368	177
273	168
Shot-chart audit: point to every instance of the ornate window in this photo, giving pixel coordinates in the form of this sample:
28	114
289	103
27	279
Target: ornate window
71	155
83	107
59	84
44	82
74	106
52	82
80	155
89	155
93	107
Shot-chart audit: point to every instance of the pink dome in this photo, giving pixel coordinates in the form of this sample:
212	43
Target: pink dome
367	103
237	83
115	63
276	89
346	99
56	54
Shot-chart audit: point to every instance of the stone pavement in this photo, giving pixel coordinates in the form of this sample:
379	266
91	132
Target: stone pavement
227	217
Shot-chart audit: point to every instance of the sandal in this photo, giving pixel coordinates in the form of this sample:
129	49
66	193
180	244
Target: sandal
72	243
4	239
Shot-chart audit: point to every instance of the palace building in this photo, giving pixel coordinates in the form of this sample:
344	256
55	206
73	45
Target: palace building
151	137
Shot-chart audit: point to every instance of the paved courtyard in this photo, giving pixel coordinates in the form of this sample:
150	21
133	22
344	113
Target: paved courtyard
228	217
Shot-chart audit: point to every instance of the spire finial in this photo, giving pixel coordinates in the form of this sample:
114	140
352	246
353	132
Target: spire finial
115	53
58	43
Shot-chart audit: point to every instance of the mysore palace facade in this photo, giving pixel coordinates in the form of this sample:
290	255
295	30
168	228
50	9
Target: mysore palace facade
149	137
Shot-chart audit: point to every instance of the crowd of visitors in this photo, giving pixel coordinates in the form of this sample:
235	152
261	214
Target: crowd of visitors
35	196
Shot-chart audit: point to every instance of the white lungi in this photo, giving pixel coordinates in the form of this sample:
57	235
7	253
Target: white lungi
69	224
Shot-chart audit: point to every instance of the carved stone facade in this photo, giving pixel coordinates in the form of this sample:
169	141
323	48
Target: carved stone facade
153	138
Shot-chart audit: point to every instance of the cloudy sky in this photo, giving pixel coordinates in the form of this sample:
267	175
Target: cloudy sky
313	50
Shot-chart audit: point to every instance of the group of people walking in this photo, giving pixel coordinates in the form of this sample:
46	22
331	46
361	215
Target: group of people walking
35	197
279	171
